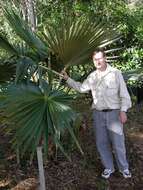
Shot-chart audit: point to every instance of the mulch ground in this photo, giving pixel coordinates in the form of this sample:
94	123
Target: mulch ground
82	173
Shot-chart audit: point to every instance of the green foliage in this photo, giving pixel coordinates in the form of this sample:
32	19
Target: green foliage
132	66
132	27
128	18
36	109
7	70
73	41
131	59
23	31
113	13
102	10
37	113
7	46
138	14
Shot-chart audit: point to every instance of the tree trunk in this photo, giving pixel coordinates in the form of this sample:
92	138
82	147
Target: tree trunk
41	169
24	9
29	12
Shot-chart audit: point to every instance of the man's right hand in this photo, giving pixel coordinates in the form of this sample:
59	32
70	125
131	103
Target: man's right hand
65	75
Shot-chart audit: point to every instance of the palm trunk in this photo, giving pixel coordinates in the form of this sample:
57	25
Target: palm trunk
18	156
24	9
30	15
42	185
29	12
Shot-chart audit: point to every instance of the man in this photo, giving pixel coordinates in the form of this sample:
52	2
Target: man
111	101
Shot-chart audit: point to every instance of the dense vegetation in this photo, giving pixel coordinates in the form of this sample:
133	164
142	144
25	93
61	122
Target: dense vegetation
36	105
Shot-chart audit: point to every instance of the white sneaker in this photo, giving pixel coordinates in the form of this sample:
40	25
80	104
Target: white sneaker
106	173
126	173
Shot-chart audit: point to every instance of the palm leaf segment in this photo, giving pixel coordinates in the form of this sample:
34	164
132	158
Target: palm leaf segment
7	46
73	41
38	113
24	32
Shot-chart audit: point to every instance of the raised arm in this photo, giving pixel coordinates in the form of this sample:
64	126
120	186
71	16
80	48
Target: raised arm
80	87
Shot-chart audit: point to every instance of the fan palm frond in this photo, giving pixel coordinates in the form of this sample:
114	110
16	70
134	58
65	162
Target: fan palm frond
38	113
74	40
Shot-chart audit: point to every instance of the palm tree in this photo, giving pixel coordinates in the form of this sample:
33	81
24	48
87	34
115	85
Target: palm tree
36	107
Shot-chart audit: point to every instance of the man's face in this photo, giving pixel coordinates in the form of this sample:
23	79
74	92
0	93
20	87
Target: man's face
99	61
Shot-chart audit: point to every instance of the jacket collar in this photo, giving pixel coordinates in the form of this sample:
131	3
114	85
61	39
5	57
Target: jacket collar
108	69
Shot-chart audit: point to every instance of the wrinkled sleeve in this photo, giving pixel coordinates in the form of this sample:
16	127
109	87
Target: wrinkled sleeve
80	87
124	94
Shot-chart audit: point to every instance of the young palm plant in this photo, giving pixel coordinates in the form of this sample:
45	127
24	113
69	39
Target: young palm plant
36	108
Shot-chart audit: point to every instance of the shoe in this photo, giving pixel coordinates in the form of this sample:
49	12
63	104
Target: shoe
126	173
106	173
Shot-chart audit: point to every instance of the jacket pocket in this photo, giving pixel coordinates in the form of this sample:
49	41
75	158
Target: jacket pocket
112	88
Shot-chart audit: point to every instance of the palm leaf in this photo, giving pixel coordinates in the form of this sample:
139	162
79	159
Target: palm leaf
24	50
4	44
34	112
18	50
24	31
25	68
73	41
134	75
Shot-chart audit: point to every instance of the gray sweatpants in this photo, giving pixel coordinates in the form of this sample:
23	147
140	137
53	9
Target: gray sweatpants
109	136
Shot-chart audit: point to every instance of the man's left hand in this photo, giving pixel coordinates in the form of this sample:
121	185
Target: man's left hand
123	117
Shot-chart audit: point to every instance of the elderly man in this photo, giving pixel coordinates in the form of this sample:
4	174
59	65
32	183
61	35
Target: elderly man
111	101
